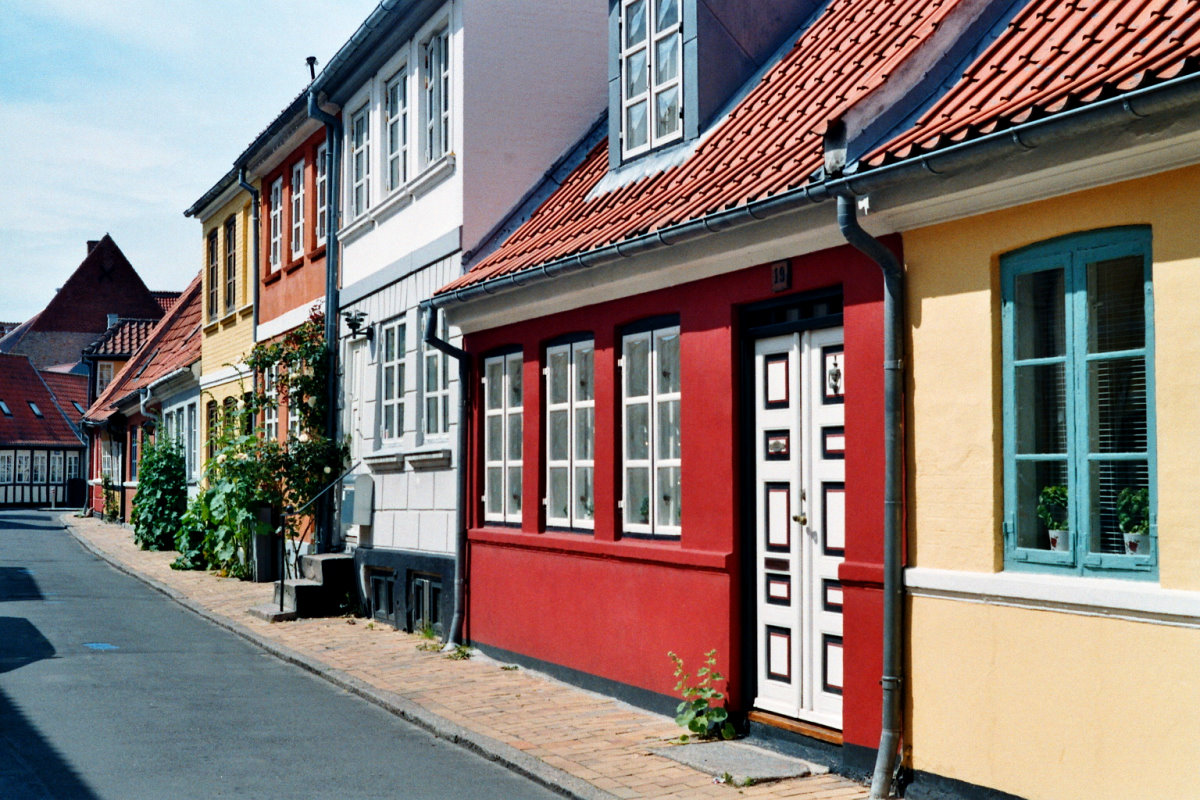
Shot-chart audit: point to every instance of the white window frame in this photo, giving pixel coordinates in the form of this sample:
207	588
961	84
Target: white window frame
435	385
359	164
21	472
571	458
508	415
395	115
297	203
40	463
322	190
72	466
56	467
271	406
651	88
654	399
275	216
393	377
192	452
6	466
435	59
104	376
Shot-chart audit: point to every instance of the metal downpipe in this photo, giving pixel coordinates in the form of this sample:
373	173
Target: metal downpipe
893	574
454	634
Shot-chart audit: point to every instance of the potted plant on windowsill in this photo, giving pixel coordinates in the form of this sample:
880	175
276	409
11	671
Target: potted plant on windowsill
1052	511
1133	517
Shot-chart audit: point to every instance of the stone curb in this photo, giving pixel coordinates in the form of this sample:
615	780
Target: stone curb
531	767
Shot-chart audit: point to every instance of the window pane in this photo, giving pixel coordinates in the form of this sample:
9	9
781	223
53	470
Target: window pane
1041	410
495	490
1119	502
584	436
514	381
583	493
637	431
559	438
1040	315
1040	487
514	491
668	429
635	74
637	367
1117	392
666	117
668	496
635	22
584	370
389	344
559	376
389	383
558	501
635	125
668	13
666	59
495	439
389	426
637	495
431	415
495	384
431	372
1116	305
667	351
514	436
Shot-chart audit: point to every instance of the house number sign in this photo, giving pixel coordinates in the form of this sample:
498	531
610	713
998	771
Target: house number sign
781	276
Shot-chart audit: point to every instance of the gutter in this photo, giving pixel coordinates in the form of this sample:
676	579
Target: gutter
454	635
1161	98
333	160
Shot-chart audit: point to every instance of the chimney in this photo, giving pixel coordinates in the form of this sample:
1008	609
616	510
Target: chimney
112	319
92	244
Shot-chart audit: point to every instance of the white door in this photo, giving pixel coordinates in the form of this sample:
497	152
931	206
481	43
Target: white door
800	492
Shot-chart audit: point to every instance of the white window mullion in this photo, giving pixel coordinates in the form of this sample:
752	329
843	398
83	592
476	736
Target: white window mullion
503	444
392	376
650	446
297	187
276	225
322	188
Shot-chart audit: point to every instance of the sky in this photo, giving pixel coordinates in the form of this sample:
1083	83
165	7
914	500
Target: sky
116	115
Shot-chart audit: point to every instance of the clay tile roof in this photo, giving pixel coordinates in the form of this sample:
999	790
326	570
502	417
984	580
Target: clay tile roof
70	390
123	339
771	142
21	385
1056	55
166	299
172	344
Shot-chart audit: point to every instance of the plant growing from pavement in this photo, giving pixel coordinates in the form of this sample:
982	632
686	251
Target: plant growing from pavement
161	495
703	708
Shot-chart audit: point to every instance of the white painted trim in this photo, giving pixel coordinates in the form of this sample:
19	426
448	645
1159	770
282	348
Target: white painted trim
225	374
287	320
1112	598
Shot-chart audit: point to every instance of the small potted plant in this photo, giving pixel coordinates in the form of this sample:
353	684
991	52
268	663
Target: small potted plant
1052	511
1133	517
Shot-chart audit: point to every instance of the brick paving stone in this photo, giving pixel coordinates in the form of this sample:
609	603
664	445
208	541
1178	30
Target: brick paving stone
595	739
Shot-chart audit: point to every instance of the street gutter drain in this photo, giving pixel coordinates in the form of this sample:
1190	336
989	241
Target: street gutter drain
100	646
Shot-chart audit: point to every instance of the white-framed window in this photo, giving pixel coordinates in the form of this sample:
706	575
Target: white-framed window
214	274
271	408
56	467
72	466
104	376
276	225
293	420
322	189
298	209
134	440
502	433
392	377
436	52
395	110
39	466
360	162
650	446
22	472
6	467
191	450
230	264
436	384
651	46
570	434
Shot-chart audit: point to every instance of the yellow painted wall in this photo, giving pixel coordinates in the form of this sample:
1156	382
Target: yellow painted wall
229	337
1044	703
218	394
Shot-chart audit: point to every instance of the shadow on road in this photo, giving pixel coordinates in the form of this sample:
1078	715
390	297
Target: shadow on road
21	643
17	584
30	767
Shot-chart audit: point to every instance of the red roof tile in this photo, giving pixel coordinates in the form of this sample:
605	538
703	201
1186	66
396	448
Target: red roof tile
20	425
69	389
174	343
1056	55
166	299
122	339
770	142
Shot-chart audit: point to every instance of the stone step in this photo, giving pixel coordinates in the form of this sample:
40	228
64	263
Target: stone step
309	598
270	612
328	568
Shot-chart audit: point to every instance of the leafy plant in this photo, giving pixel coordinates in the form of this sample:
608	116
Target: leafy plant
112	504
161	495
461	652
1052	507
703	708
1133	510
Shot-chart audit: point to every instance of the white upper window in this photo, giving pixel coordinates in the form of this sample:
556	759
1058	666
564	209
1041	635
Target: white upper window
298	210
651	45
570	434
650	449
437	96
23	466
436	385
360	162
39	466
56	467
395	100
392	363
502	433
276	222
6	467
104	375
271	409
191	451
72	465
322	188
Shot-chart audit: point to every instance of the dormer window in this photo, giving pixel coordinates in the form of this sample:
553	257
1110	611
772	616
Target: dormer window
651	46
5	409
37	412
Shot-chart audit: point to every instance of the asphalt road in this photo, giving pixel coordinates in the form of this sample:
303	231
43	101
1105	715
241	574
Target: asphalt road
110	690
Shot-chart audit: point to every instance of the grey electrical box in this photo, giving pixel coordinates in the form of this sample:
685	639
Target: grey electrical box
358	500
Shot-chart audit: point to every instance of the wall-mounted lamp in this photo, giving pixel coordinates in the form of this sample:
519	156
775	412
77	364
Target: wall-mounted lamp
355	321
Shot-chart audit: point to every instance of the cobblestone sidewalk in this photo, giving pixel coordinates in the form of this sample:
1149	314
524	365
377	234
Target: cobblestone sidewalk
585	745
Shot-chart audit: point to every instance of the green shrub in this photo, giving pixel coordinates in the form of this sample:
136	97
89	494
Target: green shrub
703	708
161	495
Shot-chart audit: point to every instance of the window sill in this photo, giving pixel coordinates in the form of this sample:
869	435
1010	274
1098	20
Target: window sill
400	197
293	265
1114	598
356	228
429	458
385	460
271	277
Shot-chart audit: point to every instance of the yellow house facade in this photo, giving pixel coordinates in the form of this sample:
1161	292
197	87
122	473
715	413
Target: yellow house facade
227	315
1038	671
